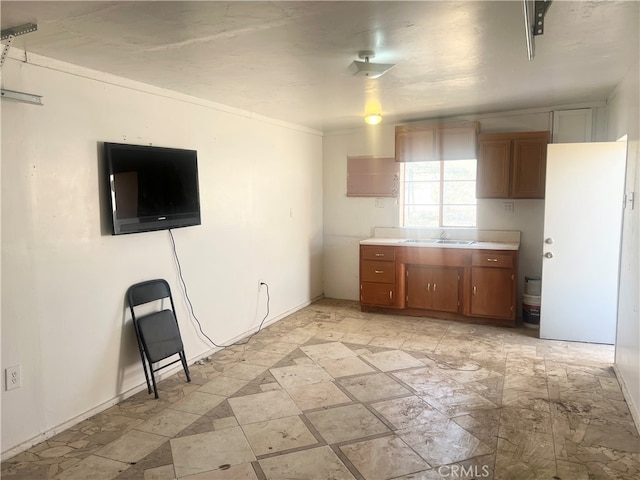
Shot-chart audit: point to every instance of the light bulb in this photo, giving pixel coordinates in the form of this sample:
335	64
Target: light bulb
373	118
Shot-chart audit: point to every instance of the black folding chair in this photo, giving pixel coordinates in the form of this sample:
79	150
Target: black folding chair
157	333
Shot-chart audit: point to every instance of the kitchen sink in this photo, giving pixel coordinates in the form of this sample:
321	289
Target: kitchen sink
423	240
442	241
454	242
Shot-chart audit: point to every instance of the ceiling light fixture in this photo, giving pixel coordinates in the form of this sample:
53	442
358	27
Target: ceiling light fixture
368	69
373	118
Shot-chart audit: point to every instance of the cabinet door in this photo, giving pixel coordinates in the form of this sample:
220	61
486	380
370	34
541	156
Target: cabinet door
433	288
529	168
445	289
380	294
492	292
494	169
418	287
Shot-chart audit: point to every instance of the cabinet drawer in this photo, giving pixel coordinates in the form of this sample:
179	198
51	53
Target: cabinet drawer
491	260
374	252
377	272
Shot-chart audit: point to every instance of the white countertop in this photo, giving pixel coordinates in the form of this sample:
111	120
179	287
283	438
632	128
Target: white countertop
432	243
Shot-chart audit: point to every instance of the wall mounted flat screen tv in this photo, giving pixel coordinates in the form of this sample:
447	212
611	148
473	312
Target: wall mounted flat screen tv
151	188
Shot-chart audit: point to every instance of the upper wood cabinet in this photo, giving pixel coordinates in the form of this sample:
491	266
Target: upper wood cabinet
512	165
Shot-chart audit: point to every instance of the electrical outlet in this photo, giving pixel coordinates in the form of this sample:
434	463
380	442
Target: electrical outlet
508	207
12	377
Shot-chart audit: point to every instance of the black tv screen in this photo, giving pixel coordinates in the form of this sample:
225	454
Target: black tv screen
151	188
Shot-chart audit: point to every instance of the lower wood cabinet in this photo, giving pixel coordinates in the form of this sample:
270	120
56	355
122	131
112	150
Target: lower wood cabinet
433	288
466	284
381	294
378	276
491	294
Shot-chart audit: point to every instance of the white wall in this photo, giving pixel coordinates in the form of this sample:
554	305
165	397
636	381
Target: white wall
623	120
348	220
64	277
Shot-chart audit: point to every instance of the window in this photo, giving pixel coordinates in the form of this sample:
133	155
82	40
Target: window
438	193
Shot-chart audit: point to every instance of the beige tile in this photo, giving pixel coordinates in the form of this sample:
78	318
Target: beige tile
422	343
532	400
244	371
244	471
209	451
278	435
132	446
280	347
324	351
165	472
384	457
266	359
342	367
226	422
371	387
441	442
315	463
223	385
317	395
524	467
427	380
357	338
453	403
297	375
95	468
392	360
198	403
168	422
349	422
263	406
406	412
572	471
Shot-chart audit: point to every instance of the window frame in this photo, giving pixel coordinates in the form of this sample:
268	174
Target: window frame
441	191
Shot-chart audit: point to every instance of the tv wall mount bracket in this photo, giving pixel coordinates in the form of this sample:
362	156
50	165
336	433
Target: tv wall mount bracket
9	34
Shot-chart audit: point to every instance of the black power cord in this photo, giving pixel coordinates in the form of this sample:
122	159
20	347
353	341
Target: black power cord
193	314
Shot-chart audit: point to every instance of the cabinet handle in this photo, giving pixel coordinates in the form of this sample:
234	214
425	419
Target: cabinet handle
379	254
475	290
390	294
428	287
378	271
492	259
434	286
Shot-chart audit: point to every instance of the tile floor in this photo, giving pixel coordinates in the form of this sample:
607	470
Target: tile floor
333	393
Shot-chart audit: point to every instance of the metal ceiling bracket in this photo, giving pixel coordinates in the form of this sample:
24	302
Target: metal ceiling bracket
540	10
21	97
5	50
17	31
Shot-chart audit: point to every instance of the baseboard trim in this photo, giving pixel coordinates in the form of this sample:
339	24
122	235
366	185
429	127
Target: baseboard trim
633	408
46	435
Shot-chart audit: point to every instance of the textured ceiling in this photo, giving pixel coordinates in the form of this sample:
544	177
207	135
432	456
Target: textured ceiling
289	60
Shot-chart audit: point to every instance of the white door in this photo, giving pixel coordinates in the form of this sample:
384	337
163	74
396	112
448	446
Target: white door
581	249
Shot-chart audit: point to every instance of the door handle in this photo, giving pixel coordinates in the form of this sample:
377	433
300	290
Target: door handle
548	240
547	255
